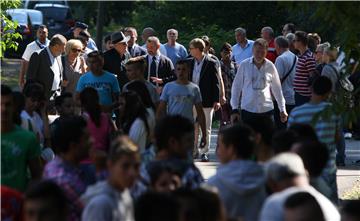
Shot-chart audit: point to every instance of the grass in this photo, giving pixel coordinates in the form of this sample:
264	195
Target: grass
353	194
9	74
11	81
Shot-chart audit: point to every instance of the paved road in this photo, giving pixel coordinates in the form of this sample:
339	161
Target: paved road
347	176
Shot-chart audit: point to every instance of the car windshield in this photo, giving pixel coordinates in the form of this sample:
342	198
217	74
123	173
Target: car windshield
36	17
19	17
58	14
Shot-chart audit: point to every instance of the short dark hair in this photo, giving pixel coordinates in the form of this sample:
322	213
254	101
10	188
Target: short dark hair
282	42
57	39
291	27
303	132
171	126
322	85
283	140
315	156
262	125
48	190
305	199
95	54
241	137
120	146
183	62
138	62
155	206
261	42
107	38
59	100
158	167
301	36
70	129
34	90
6	90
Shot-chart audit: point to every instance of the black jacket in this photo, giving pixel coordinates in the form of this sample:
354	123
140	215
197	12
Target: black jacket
165	70
115	64
39	70
208	83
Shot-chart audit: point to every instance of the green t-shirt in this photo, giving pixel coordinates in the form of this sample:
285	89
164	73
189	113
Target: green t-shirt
17	148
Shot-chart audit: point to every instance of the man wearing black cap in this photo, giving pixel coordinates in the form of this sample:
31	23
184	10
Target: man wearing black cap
75	31
115	58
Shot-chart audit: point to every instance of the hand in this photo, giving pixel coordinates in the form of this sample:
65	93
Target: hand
222	100
203	142
157	80
159	90
64	83
283	117
234	118
217	106
21	82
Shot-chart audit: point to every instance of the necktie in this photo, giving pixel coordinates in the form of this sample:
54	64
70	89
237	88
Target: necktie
153	67
130	51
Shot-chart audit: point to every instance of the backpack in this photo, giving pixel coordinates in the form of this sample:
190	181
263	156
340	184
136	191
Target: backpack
343	82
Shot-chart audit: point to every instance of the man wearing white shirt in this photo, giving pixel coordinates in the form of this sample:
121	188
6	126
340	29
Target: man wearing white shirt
255	81
40	43
285	64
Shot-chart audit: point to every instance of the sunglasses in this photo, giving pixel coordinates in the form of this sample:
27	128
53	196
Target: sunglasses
76	50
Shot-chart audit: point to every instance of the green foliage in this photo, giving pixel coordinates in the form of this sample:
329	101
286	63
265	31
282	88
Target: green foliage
341	20
8	27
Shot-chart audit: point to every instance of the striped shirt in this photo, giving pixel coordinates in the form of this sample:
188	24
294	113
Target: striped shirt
326	129
305	65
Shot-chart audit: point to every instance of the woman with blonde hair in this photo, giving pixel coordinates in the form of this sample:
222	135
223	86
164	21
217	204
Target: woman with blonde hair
74	64
331	68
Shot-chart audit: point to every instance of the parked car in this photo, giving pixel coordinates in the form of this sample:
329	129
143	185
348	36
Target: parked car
30	4
28	21
58	18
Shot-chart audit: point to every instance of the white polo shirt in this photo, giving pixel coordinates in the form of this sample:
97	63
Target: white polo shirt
33	47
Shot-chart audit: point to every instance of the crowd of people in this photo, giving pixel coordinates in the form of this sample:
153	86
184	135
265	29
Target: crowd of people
131	120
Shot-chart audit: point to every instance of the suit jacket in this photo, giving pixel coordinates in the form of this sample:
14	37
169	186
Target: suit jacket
208	83
115	64
39	70
137	51
165	70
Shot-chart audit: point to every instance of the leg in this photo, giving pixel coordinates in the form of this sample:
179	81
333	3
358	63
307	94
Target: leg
208	116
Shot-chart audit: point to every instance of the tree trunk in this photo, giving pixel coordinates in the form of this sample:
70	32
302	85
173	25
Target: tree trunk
99	25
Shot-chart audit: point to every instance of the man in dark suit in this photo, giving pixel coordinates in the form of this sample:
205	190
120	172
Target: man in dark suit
204	71
46	66
133	48
116	58
159	68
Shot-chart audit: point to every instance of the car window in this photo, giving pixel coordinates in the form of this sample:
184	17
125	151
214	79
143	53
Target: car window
58	14
21	18
36	18
31	4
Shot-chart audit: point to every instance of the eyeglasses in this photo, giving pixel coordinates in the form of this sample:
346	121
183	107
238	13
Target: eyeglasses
76	50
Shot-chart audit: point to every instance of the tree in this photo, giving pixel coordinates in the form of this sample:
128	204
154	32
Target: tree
8	27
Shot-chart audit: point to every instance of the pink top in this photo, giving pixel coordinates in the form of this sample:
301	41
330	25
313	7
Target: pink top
100	135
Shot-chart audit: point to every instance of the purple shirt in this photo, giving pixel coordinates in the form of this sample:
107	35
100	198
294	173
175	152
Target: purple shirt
71	180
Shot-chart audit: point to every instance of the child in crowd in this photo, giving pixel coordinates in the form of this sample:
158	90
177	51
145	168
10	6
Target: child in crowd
65	107
100	127
38	123
163	177
240	180
111	200
181	96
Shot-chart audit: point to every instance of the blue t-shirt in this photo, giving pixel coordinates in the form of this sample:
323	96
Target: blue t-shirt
175	53
181	98
106	85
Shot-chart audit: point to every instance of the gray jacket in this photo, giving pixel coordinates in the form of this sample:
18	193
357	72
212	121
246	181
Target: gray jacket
104	203
241	186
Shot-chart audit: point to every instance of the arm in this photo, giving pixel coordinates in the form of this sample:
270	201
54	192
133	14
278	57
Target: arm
161	110
23	69
221	84
33	67
215	87
236	90
202	123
